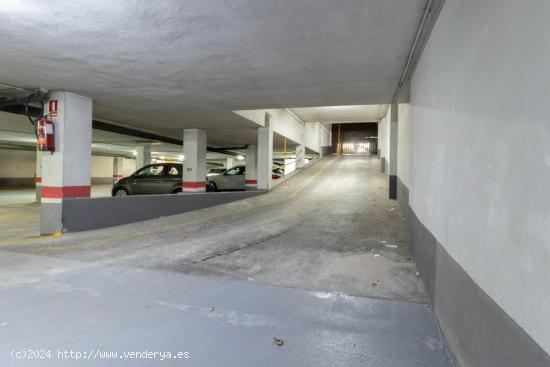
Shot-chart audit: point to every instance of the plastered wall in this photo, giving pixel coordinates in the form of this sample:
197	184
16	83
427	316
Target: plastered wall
480	169
102	166
17	163
384	139
403	144
21	164
316	135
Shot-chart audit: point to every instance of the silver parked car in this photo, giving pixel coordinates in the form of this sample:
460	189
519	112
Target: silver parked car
231	179
234	179
215	171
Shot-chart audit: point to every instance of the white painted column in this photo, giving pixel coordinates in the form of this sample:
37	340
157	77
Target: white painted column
251	177
392	169
143	157
230	162
265	154
379	140
320	133
118	168
301	153
38	173
194	164
66	172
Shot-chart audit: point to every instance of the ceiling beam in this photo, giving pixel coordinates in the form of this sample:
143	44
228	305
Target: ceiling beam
123	130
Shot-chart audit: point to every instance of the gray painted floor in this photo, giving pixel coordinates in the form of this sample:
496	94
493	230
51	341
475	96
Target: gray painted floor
296	264
57	305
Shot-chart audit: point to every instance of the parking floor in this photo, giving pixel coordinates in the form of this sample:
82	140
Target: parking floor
20	213
321	262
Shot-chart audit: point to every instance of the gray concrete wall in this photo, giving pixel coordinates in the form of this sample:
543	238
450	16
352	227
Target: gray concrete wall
19	168
92	213
478	330
479	178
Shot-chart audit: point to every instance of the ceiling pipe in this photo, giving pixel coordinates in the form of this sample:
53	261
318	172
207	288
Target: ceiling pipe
414	47
293	114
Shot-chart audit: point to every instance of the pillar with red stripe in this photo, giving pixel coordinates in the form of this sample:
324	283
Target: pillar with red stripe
194	161
117	168
38	173
264	165
251	178
66	172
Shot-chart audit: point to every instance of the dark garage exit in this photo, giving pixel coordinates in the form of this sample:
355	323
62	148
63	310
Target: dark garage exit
355	138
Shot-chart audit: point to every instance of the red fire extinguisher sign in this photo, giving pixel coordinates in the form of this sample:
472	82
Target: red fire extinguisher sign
52	108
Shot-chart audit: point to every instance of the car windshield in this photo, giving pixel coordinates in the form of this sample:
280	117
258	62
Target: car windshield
151	171
235	171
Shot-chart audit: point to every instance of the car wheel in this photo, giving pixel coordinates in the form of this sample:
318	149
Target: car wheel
177	191
211	187
120	193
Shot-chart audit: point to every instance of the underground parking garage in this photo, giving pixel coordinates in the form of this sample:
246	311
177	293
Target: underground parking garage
356	183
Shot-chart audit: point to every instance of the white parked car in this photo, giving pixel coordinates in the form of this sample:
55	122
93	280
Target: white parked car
231	179
234	179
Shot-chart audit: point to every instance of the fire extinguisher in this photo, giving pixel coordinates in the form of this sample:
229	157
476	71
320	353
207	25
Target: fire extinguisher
45	134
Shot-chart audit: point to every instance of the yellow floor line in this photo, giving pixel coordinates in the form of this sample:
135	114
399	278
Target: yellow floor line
312	178
164	228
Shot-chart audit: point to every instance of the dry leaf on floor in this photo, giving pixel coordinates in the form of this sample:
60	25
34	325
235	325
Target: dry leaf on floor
376	284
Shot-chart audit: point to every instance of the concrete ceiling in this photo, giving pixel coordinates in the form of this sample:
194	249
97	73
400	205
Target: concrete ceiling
341	114
164	65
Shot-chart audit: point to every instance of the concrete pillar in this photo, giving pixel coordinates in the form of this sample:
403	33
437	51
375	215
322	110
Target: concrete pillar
392	169
301	153
143	157
379	140
230	162
251	178
194	165
38	173
66	172
320	127
265	154
117	168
